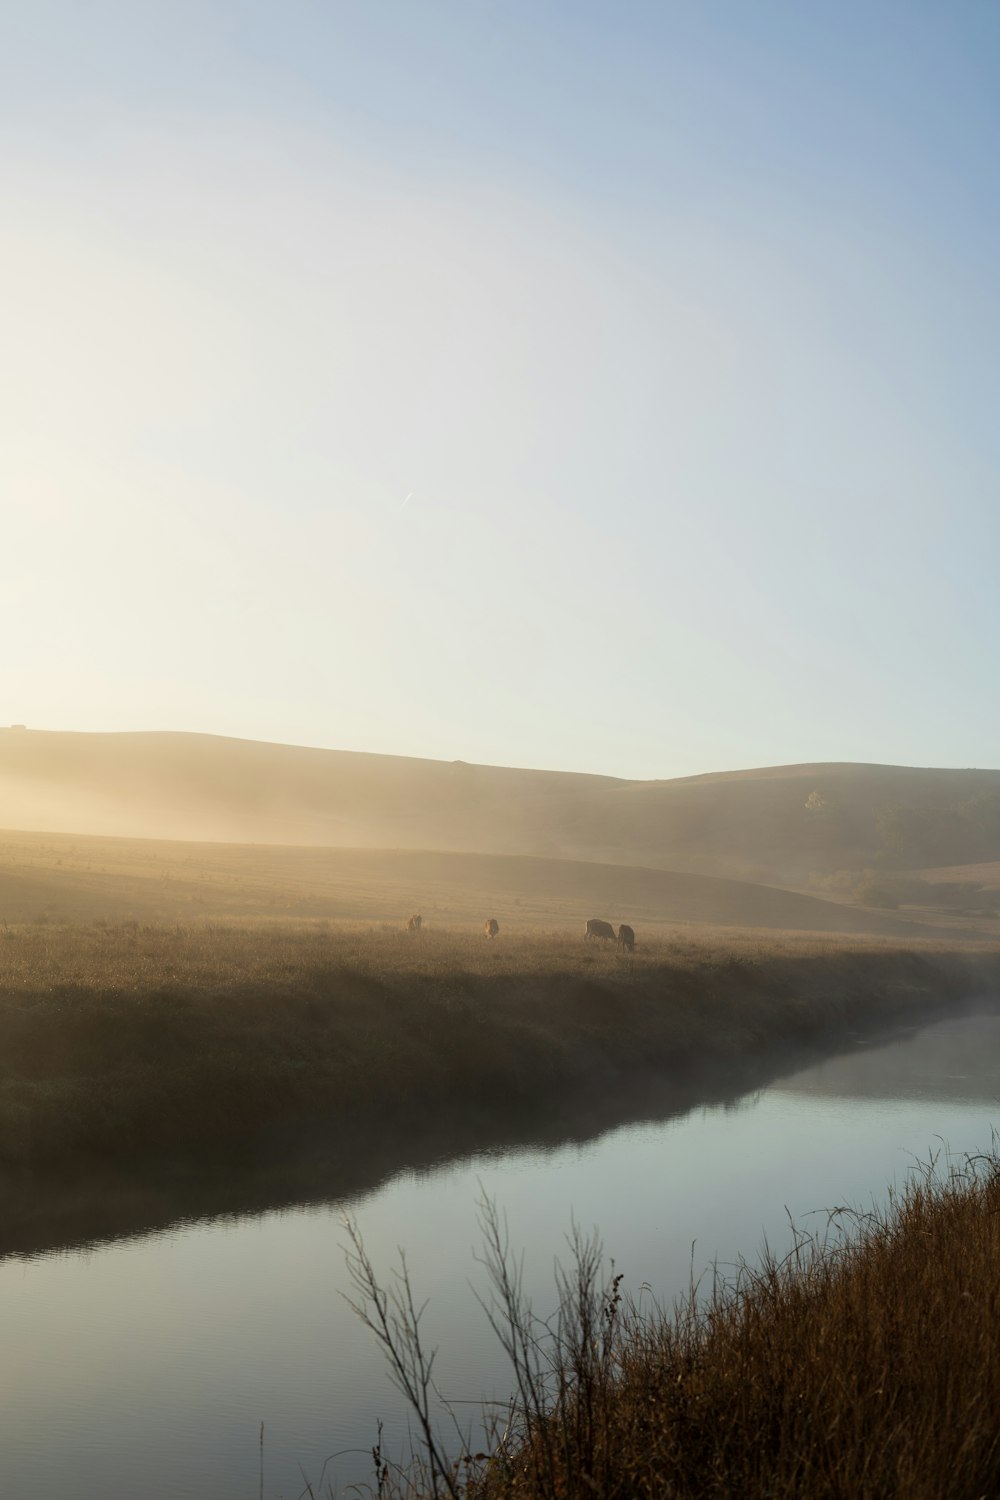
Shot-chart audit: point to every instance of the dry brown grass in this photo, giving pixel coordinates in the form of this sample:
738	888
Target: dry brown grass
120	1040
864	1364
71	878
865	1370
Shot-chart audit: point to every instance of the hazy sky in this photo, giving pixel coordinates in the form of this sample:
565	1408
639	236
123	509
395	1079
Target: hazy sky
678	324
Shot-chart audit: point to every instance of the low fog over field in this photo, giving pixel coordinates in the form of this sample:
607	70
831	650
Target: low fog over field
342	833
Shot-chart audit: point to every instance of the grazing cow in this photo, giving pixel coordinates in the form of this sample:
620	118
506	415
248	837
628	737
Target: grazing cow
413	925
491	927
598	929
626	938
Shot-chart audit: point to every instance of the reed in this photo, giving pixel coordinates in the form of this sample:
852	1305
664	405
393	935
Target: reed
866	1362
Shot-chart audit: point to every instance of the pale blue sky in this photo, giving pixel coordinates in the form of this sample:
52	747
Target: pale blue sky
680	324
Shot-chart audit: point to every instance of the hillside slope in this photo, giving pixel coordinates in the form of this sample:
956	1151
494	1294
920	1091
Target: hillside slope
779	824
75	878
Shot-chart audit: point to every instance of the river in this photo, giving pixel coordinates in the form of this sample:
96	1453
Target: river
145	1366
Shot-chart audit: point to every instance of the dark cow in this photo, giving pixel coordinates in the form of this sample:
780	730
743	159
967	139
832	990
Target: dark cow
626	938
413	925
598	929
491	927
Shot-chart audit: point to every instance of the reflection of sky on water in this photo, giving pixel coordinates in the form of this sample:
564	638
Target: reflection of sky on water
147	1366
956	1061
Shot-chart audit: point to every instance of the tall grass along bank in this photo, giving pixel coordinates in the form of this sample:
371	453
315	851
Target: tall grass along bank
119	1041
865	1364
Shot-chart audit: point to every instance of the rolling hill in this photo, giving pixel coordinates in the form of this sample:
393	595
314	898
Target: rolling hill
778	825
81	878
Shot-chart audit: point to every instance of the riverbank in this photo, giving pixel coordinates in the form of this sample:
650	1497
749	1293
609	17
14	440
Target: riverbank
865	1363
122	1042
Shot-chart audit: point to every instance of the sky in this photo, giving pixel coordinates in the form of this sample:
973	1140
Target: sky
573	385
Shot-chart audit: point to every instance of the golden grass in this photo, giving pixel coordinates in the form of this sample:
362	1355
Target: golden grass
122	1040
71	878
864	1365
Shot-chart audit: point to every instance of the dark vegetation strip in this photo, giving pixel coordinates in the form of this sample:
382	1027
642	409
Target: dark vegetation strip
121	1042
864	1364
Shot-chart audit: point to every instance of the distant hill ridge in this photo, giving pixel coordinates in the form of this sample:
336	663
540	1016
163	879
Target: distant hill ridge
777	824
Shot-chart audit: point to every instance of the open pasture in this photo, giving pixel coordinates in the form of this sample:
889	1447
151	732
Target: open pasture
117	1040
78	878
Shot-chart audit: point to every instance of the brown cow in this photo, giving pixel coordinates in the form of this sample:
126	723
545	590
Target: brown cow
491	927
626	938
413	925
598	929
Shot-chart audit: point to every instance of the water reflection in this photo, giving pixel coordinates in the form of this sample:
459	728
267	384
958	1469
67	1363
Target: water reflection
954	1062
85	1205
146	1366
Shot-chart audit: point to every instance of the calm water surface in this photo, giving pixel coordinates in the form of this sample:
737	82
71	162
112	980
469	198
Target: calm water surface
145	1367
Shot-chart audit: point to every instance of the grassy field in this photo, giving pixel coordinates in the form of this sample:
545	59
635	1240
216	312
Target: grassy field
65	878
122	1040
865	1364
194	1027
